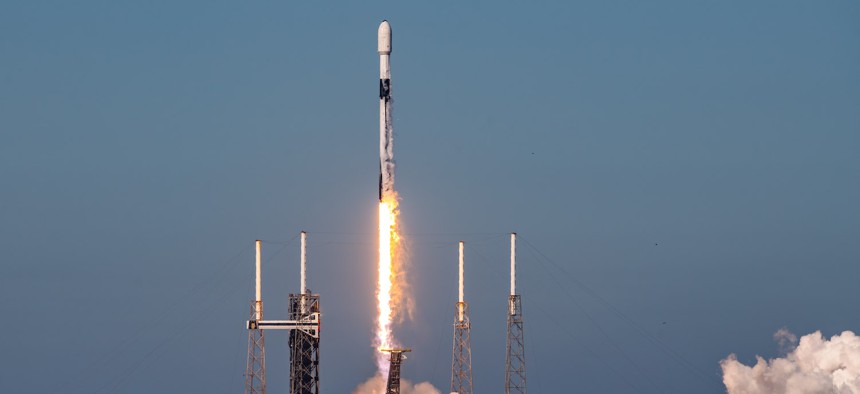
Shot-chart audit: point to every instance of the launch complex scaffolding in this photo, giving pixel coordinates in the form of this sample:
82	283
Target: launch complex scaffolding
303	326
303	316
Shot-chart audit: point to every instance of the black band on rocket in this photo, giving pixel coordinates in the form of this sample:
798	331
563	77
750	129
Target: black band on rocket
384	88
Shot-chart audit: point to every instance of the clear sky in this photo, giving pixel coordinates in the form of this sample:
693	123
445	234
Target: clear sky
685	177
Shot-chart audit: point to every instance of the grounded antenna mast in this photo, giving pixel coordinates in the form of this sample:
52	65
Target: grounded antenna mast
461	364
395	357
255	372
515	358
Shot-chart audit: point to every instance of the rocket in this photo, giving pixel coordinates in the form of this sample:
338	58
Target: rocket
386	132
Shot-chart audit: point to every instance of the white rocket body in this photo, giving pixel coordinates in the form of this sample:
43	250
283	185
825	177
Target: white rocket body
386	131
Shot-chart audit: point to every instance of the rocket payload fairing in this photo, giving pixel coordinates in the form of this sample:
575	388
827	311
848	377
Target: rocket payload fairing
386	132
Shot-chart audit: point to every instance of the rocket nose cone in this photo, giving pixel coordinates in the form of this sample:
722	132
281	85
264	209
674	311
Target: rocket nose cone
384	38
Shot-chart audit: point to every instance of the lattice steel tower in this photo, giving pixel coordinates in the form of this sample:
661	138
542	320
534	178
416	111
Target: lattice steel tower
395	357
304	345
515	358
461	359
255	369
304	309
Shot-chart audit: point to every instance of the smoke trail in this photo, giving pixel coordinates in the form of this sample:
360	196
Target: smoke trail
816	365
376	385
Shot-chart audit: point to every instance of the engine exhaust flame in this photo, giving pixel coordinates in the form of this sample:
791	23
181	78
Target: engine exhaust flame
387	288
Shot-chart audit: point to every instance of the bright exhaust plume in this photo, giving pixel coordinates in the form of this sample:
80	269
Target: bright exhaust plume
393	300
388	243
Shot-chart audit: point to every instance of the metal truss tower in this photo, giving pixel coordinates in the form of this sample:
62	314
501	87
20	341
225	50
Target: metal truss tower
461	366
395	357
515	357
255	372
461	360
255	369
304	345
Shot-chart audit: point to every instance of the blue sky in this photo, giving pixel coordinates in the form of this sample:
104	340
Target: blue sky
684	178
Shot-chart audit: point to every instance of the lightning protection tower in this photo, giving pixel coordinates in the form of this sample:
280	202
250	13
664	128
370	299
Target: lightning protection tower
515	358
461	364
304	344
304	328
395	357
255	370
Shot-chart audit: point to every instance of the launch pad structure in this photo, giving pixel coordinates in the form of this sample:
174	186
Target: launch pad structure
392	386
304	345
303	325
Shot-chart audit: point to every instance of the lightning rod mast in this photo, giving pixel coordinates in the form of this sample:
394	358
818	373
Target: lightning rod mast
515	357
461	359
255	369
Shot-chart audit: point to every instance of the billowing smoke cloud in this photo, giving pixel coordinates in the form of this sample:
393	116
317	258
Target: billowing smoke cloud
376	385
816	366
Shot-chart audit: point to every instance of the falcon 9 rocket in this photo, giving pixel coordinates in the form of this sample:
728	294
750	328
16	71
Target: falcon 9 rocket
386	132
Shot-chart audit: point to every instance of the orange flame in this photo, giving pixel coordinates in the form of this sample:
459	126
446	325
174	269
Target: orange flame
386	290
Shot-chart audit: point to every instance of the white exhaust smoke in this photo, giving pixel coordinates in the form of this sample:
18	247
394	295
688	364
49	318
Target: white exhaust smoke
376	385
816	366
